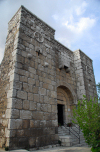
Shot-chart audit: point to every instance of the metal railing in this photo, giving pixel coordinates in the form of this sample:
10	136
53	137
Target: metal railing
73	131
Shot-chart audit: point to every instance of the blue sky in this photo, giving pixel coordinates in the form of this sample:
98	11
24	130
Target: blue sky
77	23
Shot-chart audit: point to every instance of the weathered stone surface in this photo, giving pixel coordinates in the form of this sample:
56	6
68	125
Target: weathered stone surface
35	90
53	94
25	114
27	87
32	142
36	97
16	103
22	94
23	79
54	108
32	123
39	106
30	96
38	115
32	70
17	85
32	87
11	93
15	124
49	108
42	91
31	81
25	104
26	124
20	133
14	113
32	105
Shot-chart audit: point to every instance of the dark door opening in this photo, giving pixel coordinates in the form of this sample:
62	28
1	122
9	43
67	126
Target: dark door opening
60	114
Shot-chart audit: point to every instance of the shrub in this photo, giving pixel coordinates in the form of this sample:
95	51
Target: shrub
87	116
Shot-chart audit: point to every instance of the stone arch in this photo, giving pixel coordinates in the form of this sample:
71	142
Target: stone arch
66	85
66	98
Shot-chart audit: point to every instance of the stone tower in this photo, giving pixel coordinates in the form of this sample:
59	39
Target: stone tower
40	83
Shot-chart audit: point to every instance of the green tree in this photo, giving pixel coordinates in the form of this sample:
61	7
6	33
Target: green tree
87	116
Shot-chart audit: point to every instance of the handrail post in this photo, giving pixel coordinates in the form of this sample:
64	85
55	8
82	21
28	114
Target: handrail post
69	130
79	139
79	134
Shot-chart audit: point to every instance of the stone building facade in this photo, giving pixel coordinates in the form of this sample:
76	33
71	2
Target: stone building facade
40	83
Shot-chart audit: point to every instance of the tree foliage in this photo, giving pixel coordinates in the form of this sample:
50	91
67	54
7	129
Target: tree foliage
87	116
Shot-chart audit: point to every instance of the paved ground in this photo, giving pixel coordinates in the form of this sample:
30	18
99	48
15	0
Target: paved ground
57	149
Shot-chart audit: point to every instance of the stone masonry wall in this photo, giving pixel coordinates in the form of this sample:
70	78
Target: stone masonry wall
79	75
6	80
88	74
34	67
84	75
38	75
35	119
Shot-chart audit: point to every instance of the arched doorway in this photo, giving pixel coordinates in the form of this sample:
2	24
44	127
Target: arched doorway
65	104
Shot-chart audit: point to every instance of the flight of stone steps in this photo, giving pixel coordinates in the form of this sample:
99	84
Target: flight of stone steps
71	139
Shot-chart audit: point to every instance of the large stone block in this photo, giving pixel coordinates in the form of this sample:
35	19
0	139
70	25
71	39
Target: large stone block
13	133
16	103
32	70
49	108
11	93
31	81
47	116
25	104
42	91
23	142
8	113
37	115
26	124
20	133
27	87
38	106
21	94
32	123
25	114
32	105
15	124
15	113
23	79
46	99
17	85
54	123
35	90
53	94
44	107
14	76
30	96
36	97
43	123
32	141
54	108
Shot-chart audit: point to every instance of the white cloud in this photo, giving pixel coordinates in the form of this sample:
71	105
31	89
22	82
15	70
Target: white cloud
84	23
81	9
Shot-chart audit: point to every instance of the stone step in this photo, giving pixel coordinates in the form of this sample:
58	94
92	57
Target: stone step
70	139
65	141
